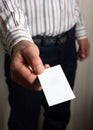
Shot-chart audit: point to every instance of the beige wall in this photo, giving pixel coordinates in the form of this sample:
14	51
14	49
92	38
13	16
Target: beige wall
4	107
82	106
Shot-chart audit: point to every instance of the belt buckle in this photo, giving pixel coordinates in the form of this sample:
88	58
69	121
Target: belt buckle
47	40
62	39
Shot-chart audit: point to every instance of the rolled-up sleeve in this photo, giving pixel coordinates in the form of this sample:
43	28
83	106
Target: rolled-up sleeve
13	24
80	24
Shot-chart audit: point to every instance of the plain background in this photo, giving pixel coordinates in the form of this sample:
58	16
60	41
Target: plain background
82	106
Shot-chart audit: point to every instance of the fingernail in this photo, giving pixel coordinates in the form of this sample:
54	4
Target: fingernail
40	69
83	55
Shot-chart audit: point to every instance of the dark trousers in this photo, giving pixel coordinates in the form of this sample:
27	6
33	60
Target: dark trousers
25	104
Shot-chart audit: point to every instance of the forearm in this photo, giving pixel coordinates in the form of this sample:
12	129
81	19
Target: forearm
13	24
80	24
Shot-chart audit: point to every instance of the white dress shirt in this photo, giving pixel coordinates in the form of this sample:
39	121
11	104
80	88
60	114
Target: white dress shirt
22	19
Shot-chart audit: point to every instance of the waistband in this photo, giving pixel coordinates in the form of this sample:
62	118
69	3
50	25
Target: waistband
58	39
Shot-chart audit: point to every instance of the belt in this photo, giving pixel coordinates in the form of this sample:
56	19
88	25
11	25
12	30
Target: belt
58	39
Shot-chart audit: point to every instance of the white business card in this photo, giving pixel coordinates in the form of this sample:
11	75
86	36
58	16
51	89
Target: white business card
55	86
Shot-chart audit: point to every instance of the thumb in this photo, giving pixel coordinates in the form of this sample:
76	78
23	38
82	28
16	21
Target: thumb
31	54
81	54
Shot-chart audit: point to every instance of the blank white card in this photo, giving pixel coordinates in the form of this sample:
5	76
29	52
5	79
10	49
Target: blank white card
55	86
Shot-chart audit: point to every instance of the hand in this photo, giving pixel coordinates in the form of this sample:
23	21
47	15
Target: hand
26	64
84	49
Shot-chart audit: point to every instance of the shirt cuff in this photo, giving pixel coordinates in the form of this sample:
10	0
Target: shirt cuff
81	33
15	36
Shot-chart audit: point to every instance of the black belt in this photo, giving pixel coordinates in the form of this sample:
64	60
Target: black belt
58	39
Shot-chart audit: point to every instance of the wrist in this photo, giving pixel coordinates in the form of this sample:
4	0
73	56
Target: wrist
20	46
